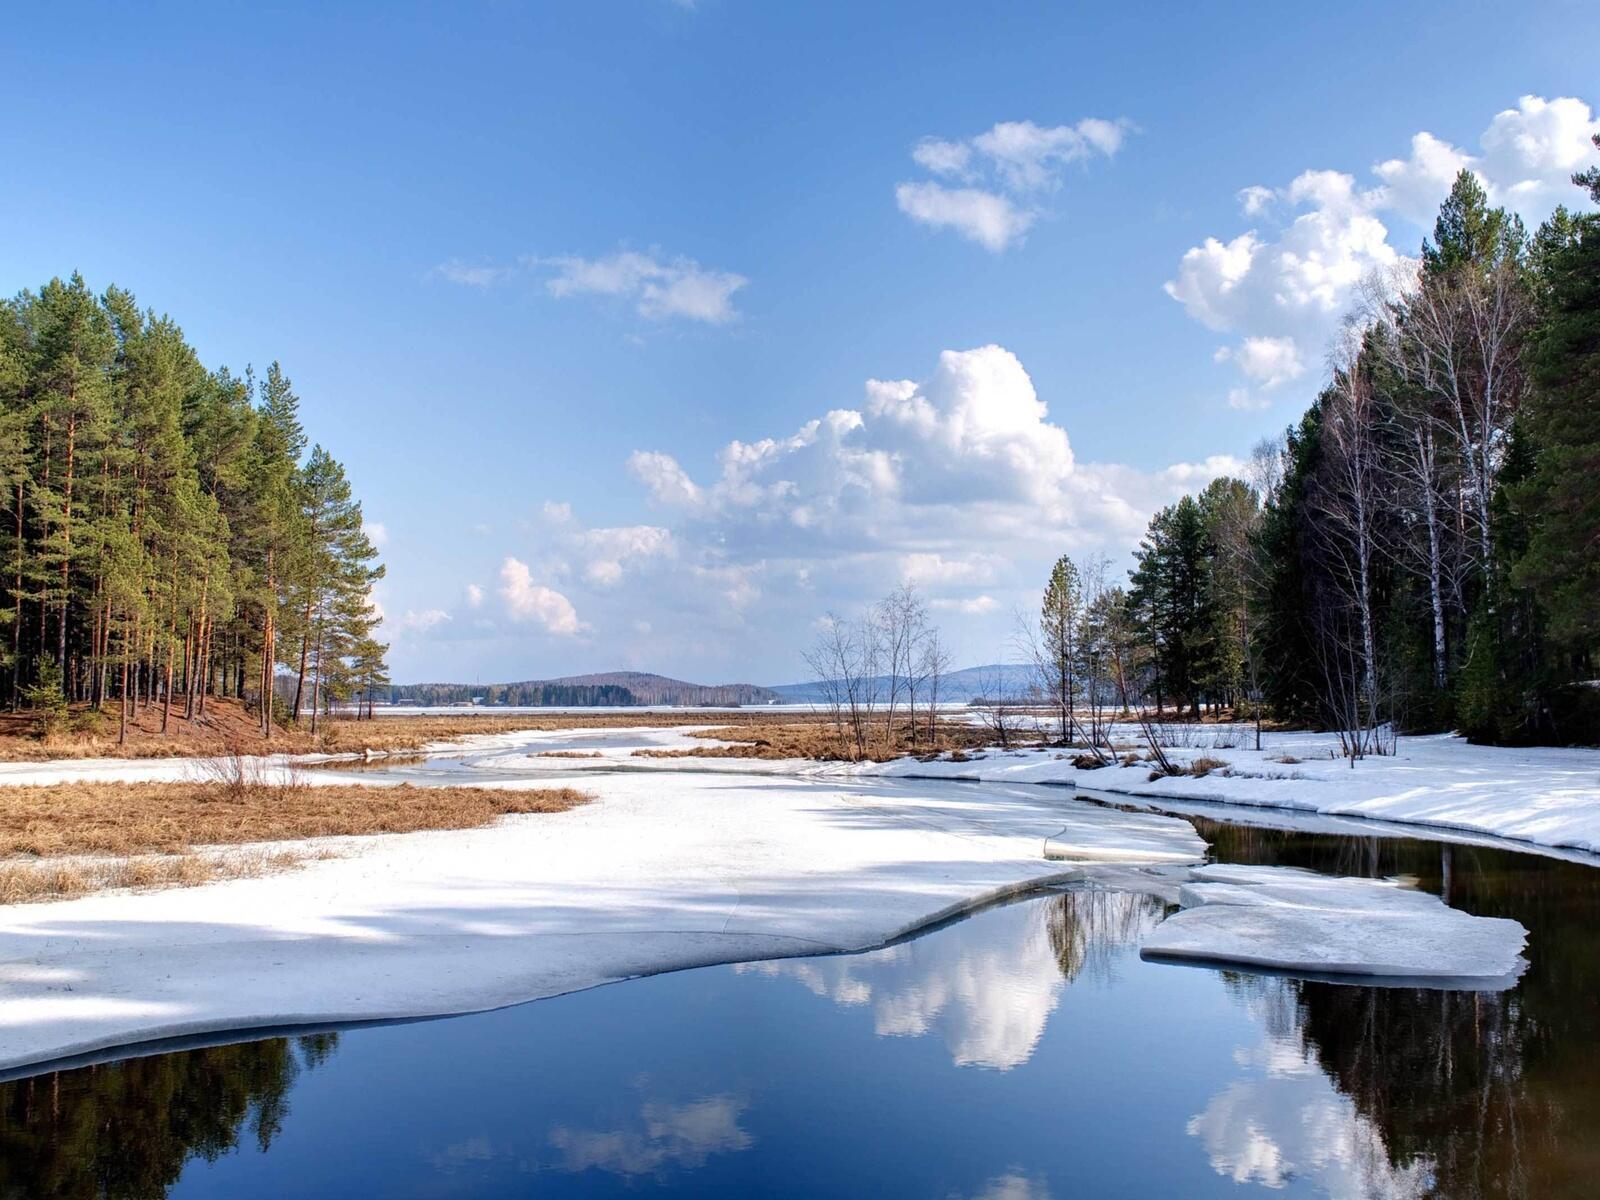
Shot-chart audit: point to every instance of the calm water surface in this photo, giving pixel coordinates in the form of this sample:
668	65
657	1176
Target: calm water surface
1026	1052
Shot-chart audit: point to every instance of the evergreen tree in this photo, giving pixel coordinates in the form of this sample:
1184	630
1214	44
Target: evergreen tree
156	520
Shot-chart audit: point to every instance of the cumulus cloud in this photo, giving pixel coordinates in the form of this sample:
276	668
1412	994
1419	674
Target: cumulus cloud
609	552
1527	157
527	601
960	482
1283	287
660	287
963	481
991	220
1268	361
377	533
1002	175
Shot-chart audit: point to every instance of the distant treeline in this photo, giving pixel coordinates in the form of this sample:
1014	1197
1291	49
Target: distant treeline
518	695
609	687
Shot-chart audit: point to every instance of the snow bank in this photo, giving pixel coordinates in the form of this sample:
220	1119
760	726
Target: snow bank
662	871
1285	919
1547	796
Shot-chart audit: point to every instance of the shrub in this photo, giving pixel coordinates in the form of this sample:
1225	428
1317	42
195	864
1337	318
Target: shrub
46	700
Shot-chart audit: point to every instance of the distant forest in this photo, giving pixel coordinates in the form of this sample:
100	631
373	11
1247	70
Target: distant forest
612	688
531	694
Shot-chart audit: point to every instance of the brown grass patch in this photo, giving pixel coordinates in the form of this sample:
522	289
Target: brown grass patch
228	727
816	738
65	879
127	819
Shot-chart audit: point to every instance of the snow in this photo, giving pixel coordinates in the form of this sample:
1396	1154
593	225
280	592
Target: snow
1285	919
683	862
662	871
1545	796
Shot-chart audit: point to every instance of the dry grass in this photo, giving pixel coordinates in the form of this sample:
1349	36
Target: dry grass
816	738
126	819
1199	768
66	879
228	728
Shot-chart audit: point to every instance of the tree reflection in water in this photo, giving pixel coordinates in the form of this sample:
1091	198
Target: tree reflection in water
124	1131
1494	1091
1090	928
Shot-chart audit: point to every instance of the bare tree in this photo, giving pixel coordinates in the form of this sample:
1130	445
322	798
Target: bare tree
1000	708
901	619
1459	339
844	661
1120	640
933	663
1346	502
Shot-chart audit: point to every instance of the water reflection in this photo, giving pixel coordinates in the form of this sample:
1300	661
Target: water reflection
1013	1185
1288	1120
677	1135
1494	1091
1023	1052
128	1129
985	987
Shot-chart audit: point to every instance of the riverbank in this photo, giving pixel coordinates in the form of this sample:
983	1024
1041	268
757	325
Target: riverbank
658	873
677	862
1545	796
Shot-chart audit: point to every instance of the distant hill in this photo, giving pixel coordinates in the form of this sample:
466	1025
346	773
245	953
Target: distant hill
604	688
957	687
659	689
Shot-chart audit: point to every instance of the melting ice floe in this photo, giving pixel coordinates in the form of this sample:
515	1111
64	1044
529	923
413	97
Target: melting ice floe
1285	919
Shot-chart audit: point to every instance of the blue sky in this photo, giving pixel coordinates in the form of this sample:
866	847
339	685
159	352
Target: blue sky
532	268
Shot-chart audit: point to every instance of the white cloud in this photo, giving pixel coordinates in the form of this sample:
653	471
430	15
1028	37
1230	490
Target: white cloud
942	157
668	482
924	568
531	602
1284	289
413	621
1414	186
1268	361
661	288
377	533
610	551
1255	199
474	596
1004	171
477	275
991	220
1528	157
960	482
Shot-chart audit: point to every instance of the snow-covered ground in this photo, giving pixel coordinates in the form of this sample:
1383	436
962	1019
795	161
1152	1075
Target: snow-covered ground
1546	796
662	871
681	862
